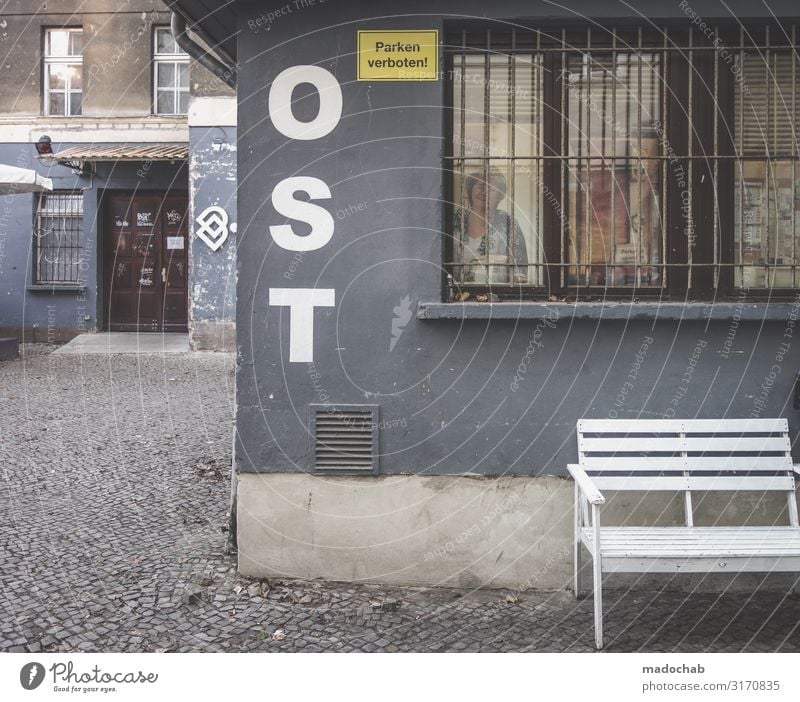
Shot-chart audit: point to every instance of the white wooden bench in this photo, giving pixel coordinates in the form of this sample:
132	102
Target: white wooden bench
689	455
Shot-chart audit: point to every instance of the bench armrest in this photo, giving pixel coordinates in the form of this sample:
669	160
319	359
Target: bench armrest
588	488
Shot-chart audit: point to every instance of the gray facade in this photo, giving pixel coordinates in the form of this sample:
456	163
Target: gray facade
212	311
497	396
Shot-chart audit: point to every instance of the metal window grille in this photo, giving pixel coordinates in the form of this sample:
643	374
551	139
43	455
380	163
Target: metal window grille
58	238
653	160
767	193
170	75
63	72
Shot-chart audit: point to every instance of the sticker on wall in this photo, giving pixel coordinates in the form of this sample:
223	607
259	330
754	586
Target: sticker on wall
146	277
398	55
144	219
120	214
213	228
174	218
174	243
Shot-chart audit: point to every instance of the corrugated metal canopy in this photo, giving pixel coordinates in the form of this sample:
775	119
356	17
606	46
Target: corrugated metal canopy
213	20
127	152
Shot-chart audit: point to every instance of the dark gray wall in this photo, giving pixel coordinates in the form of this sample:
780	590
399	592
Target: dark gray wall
44	314
212	274
447	391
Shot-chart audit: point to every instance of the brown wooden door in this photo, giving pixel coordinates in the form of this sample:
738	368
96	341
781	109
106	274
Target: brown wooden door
174	263
146	263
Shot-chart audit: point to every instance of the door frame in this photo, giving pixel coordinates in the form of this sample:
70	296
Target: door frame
104	228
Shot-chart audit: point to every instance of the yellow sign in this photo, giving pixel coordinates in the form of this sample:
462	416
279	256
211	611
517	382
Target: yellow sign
398	55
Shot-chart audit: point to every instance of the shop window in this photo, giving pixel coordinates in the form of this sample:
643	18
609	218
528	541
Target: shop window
58	238
63	72
170	75
590	163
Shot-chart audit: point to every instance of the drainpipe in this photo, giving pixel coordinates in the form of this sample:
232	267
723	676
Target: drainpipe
197	52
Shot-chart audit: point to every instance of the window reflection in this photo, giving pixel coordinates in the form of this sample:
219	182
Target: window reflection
488	240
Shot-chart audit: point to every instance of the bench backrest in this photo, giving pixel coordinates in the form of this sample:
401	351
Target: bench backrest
689	455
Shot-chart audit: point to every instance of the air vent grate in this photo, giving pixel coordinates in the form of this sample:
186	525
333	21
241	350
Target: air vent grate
345	438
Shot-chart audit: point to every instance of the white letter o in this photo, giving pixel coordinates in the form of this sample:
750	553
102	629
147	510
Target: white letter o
330	102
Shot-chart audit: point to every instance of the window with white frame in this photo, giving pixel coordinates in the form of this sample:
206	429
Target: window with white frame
63	71
170	75
58	238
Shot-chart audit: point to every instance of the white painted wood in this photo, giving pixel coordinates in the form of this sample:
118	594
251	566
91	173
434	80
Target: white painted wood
678	483
731	483
576	586
737	443
674	483
681	463
695	541
696	444
769	564
629	446
646	426
635	443
792	506
688	508
738	483
592	494
597	569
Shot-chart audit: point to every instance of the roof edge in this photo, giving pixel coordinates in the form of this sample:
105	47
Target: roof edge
194	25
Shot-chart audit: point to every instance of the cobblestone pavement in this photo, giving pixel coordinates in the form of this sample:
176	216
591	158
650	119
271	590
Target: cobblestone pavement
113	529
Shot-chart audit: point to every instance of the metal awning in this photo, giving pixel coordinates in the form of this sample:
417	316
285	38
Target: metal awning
22	180
132	152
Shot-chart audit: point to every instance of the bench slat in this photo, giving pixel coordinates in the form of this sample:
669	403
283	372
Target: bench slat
675	483
707	564
675	443
689	542
709	463
703	533
646	426
664	483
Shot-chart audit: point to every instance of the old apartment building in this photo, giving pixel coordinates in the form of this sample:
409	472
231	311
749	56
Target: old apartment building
139	233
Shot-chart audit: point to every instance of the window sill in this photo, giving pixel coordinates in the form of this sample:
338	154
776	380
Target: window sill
754	311
56	287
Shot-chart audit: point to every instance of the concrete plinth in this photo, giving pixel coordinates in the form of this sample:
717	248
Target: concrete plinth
465	532
412	530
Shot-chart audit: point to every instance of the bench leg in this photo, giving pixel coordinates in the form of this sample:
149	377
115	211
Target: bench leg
576	559
598	602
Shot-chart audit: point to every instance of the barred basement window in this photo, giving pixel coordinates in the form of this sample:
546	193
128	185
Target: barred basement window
58	238
629	163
